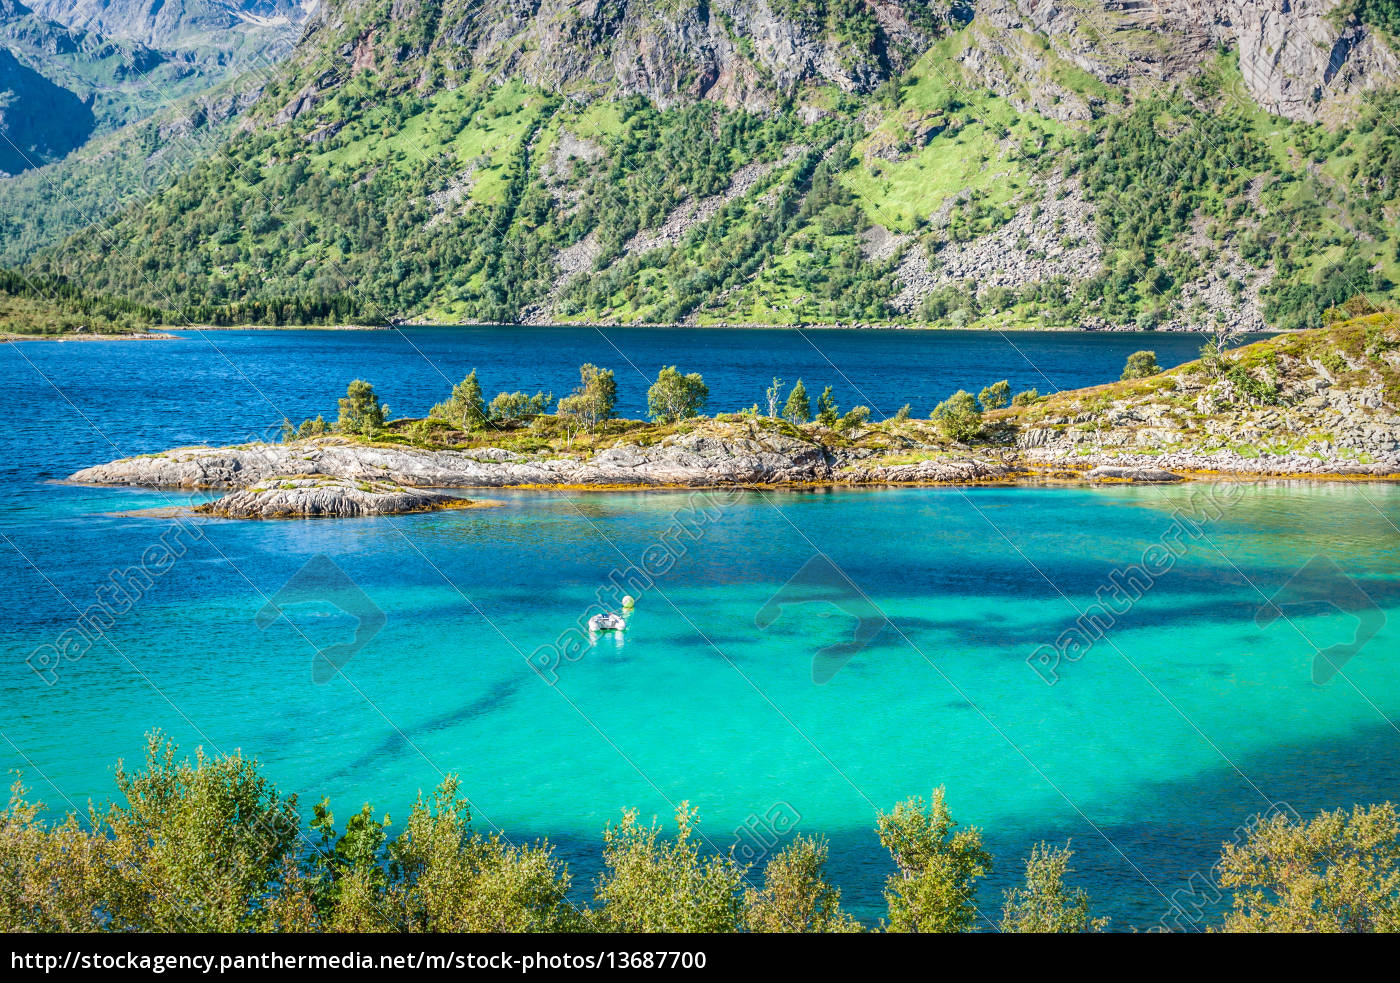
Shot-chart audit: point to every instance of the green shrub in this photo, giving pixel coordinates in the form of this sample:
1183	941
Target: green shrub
676	397
360	410
1140	365
995	396
958	417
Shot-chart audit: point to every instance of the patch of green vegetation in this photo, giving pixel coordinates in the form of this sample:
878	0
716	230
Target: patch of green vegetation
39	306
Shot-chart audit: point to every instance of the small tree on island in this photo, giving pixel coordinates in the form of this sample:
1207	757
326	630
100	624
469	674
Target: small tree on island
594	399
854	419
827	413
676	397
798	408
518	406
1220	335
774	395
995	396
466	407
958	417
1140	365
1025	397
360	410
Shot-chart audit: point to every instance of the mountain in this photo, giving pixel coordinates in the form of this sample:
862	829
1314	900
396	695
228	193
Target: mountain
39	121
990	163
62	85
224	31
104	84
116	170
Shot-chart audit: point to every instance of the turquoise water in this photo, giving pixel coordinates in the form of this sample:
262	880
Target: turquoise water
1187	718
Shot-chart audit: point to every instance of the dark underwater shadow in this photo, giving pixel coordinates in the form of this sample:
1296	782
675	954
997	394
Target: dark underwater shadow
1131	870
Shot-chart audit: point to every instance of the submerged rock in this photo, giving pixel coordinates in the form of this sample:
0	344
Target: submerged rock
1142	475
936	471
319	497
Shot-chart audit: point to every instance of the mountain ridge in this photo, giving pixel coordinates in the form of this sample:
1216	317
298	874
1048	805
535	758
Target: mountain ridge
979	163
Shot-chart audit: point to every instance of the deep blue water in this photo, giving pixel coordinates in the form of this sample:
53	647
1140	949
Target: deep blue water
1188	718
231	385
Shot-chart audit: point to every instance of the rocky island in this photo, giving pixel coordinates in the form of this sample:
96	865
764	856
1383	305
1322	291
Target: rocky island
1319	404
317	496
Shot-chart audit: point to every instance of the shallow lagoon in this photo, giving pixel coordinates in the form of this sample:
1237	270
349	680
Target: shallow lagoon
1185	720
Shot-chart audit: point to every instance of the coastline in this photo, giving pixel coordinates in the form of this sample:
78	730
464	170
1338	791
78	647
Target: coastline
1318	406
134	336
716	326
163	332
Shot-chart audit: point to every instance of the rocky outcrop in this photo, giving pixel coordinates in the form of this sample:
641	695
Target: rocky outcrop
1052	236
319	497
1133	475
1303	59
695	459
936	471
1318	403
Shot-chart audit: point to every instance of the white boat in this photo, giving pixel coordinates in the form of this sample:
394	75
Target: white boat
607	622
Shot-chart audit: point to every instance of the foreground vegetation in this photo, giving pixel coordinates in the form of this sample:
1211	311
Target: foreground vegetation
210	845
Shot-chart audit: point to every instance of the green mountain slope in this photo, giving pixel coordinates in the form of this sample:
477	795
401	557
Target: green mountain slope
987	163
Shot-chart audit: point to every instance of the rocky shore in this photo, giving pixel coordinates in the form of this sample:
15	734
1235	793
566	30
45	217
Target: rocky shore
1319	404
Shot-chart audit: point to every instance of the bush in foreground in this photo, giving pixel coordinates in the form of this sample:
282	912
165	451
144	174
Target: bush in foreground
209	845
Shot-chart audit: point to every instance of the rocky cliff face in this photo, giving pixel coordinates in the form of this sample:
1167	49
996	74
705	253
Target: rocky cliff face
1304	59
739	52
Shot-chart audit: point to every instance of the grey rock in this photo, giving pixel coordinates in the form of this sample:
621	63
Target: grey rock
327	498
1137	475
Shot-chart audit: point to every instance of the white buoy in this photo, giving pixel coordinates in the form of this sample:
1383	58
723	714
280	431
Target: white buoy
627	601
